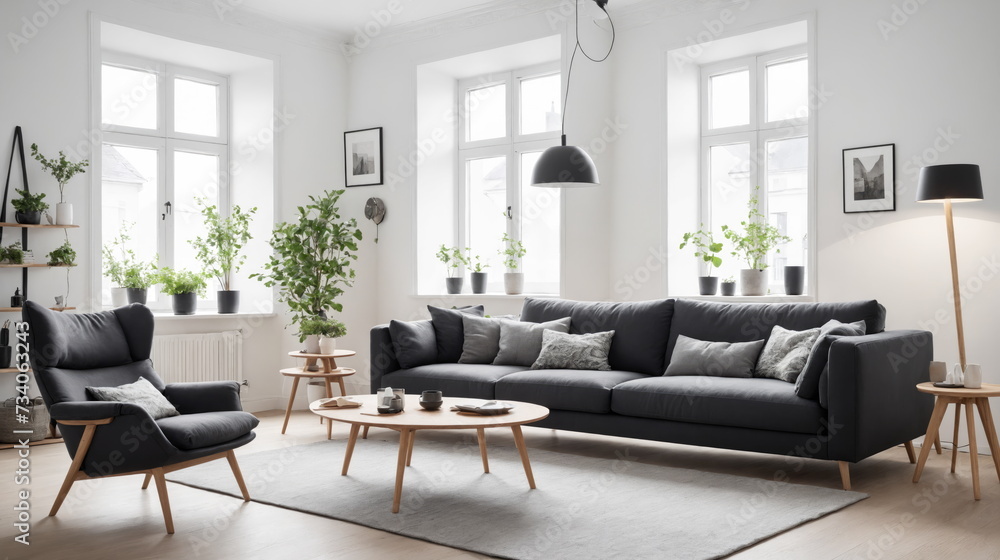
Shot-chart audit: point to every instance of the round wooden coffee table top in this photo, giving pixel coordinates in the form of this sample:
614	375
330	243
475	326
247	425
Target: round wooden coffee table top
336	354
415	417
987	390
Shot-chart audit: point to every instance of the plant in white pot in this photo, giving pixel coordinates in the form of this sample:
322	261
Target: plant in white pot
707	249
513	251
478	274
220	251
757	239
63	170
453	260
320	335
116	258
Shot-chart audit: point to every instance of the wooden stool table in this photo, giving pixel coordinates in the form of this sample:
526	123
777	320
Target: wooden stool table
969	397
327	370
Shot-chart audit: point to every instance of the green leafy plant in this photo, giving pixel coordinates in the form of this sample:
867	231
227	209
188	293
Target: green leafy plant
729	280
29	202
63	255
311	263
220	250
12	254
175	282
476	263
116	256
62	169
138	275
512	252
330	328
453	259
705	247
758	237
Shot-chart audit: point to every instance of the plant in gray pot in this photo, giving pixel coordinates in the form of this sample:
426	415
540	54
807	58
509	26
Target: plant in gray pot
728	286
115	258
137	277
29	207
453	260
512	253
757	239
185	287
478	274
707	249
221	249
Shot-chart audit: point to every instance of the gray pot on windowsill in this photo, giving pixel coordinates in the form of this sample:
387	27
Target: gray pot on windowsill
136	295
479	282
185	304
753	282
728	288
228	300
454	285
708	285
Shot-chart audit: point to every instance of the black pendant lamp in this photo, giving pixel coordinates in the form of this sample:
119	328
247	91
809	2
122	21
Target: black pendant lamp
570	166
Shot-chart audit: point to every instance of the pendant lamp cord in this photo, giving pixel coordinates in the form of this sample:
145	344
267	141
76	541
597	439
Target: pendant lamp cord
579	47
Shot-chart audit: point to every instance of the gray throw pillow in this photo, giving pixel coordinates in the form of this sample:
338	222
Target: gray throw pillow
785	353
574	351
141	393
521	342
482	340
713	359
414	343
449	331
807	385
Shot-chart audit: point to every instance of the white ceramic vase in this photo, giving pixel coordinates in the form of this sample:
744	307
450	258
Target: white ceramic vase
973	376
119	297
753	282
312	344
327	345
64	214
513	282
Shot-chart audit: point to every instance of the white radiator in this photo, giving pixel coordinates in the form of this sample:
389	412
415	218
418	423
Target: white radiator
214	356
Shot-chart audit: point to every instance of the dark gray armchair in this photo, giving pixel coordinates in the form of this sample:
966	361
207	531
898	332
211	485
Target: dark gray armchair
70	352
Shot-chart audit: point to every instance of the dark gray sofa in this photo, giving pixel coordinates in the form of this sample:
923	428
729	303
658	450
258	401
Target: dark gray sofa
867	401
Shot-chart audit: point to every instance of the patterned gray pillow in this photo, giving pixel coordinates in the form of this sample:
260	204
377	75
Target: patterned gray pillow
141	393
785	353
521	341
574	351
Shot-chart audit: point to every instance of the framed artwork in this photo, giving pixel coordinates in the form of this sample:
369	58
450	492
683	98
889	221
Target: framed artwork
870	179
363	157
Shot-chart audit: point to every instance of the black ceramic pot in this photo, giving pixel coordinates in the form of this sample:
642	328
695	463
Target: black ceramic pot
185	304
28	217
229	301
708	285
795	280
136	295
478	282
729	288
454	285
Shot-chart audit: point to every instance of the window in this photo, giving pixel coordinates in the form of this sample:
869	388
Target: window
505	122
755	117
165	146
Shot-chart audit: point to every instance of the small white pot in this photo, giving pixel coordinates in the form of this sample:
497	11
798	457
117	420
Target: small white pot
64	214
312	344
327	345
119	297
973	376
315	391
753	282
513	282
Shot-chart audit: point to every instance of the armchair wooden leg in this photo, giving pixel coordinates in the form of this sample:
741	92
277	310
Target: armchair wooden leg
910	454
145	483
161	489
845	474
231	456
74	469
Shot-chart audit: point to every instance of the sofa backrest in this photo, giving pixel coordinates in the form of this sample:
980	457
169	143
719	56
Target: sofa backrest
743	322
641	327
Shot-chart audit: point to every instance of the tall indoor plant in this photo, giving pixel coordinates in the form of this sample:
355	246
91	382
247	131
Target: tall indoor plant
220	250
513	251
757	239
312	257
63	170
707	249
453	260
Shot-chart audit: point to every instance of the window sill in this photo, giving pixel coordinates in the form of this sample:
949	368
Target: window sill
208	314
776	298
491	295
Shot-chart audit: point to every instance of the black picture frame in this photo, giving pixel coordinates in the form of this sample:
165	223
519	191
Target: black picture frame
869	175
363	157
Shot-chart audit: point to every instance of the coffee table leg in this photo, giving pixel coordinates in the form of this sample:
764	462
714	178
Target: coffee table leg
523	450
991	431
481	432
291	399
973	451
404	445
355	428
932	429
409	448
365	435
954	440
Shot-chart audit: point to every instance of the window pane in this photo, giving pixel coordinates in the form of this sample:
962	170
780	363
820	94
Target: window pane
730	94
487	199
195	176
729	168
788	90
128	195
486	108
540	104
787	200
196	107
540	229
128	97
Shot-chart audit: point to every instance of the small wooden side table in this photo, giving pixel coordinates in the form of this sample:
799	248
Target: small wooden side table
328	372
969	397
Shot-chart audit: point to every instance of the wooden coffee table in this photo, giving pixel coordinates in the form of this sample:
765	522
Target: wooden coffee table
415	418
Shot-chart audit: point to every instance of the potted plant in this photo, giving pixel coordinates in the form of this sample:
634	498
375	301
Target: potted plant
320	335
220	250
478	274
311	263
513	252
28	209
137	277
12	254
185	287
116	259
63	170
708	250
453	260
753	245
63	255
729	286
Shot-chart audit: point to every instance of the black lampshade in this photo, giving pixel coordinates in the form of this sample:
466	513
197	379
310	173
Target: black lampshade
564	166
957	182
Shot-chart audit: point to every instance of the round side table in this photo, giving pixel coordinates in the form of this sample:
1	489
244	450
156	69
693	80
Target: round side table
326	369
980	398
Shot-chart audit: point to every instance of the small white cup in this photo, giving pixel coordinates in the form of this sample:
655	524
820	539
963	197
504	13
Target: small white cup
939	371
973	376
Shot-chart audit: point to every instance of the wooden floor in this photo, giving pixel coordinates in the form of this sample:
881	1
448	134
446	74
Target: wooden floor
114	518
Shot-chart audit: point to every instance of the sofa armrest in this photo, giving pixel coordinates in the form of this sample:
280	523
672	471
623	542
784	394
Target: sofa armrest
383	356
206	396
873	403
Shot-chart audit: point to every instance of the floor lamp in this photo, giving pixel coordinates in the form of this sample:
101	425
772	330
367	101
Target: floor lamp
960	182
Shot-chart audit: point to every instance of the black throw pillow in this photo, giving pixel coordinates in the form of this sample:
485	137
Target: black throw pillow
450	331
413	343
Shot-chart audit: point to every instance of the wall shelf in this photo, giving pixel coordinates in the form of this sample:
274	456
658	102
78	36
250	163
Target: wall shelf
13	224
36	265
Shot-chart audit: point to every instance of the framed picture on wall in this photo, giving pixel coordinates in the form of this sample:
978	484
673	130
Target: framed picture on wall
870	179
363	157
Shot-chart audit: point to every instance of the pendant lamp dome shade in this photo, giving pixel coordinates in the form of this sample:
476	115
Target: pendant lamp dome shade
564	166
957	182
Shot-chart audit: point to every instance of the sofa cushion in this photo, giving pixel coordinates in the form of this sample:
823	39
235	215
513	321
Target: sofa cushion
454	380
564	389
640	327
482	339
717	359
763	404
574	351
413	342
449	330
743	322
194	431
785	354
807	385
521	342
